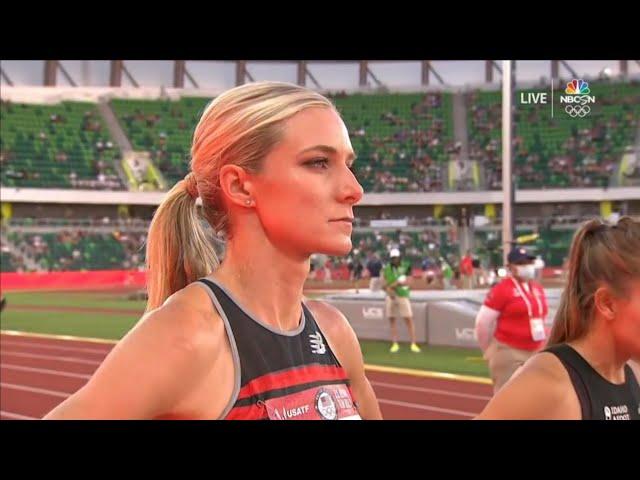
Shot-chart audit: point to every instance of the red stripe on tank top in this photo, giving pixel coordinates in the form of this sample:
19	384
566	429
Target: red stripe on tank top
292	377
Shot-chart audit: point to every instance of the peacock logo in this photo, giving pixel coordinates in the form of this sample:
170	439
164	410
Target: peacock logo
577	87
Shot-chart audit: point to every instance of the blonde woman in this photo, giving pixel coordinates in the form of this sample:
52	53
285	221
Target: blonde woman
272	164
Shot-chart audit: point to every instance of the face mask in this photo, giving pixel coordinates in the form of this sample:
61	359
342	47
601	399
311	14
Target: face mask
526	271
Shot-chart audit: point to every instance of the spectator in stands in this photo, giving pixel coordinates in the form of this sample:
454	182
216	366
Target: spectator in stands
152	120
61	157
457	283
90	125
270	162
55	118
493	278
100	166
326	270
396	283
511	325
587	370
466	270
447	274
539	265
15	174
358	267
477	272
428	266
350	262
374	267
4	156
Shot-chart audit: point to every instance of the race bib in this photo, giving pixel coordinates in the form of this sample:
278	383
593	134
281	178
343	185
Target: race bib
327	402
537	329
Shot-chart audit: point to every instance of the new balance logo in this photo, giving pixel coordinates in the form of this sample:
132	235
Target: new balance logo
317	345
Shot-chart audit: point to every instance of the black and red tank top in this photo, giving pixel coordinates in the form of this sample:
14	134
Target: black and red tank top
279	375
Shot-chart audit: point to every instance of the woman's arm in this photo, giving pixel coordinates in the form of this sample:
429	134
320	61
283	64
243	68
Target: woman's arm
151	369
485	325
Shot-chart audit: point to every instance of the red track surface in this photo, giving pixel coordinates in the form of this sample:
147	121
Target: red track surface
37	374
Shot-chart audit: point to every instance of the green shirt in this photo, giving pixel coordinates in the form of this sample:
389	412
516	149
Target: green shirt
446	271
392	273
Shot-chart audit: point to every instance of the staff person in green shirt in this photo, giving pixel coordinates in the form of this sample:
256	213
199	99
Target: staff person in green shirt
395	276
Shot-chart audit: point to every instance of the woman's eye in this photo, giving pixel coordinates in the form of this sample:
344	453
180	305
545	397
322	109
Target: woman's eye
319	163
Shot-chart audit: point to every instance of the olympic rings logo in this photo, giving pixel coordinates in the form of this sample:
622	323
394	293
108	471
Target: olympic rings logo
577	111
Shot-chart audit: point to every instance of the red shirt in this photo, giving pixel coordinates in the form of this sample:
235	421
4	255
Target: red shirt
466	265
513	326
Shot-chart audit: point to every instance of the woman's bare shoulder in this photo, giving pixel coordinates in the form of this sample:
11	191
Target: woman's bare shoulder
540	389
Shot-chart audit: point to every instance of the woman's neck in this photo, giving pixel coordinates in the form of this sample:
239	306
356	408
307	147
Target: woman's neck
599	349
268	281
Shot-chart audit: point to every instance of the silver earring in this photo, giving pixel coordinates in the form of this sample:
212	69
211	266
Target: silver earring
247	201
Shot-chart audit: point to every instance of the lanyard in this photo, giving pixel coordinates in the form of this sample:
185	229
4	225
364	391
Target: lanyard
526	299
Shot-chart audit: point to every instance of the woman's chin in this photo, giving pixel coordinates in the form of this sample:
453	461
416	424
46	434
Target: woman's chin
336	249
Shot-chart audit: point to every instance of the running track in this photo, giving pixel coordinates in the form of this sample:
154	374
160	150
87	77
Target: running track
39	373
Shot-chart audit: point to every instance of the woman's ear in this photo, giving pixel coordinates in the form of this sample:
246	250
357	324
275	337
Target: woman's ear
236	185
604	302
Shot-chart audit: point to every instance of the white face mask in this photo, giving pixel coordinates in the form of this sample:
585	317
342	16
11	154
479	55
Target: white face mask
527	272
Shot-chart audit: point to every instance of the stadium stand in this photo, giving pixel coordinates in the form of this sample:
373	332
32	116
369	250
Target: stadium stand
56	146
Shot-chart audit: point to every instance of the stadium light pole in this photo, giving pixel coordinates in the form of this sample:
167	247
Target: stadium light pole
507	158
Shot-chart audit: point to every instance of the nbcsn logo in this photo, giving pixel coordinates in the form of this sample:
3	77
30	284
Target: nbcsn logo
577	99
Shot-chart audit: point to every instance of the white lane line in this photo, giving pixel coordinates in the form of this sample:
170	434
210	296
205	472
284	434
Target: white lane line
43	391
430	390
52	347
47	371
11	353
428	407
15	416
